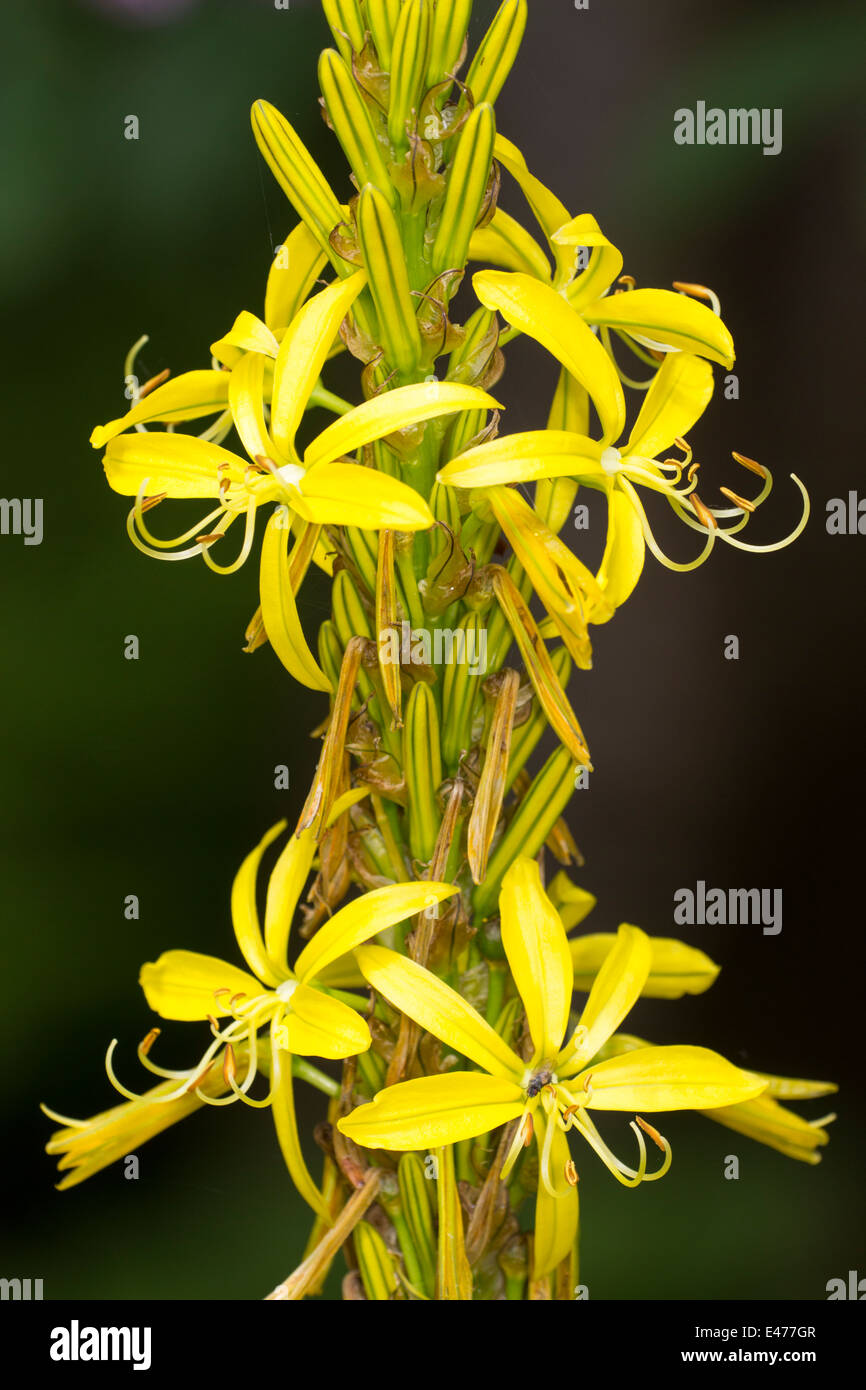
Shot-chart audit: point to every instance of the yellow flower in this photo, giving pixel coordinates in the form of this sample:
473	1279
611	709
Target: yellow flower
265	390
320	490
555	1090
658	320
676	399
298	1006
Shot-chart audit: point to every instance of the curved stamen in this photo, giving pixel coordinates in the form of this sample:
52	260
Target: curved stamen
148	536
626	380
719	513
143	1051
700	292
629	1177
660	1143
219	429
634	346
109	1068
65	1120
653	545
544	1159
788	540
518	1143
249	536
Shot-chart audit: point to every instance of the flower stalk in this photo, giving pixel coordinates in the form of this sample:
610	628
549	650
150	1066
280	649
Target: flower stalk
437	978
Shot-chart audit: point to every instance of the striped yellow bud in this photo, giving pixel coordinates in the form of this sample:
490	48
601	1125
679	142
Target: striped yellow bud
346	24
375	1263
529	827
408	64
388	281
415	1192
297	173
499	48
423	771
467	190
352	124
447	37
383	16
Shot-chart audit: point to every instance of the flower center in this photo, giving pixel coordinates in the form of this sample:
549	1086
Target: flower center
290	473
538	1080
611	460
286	990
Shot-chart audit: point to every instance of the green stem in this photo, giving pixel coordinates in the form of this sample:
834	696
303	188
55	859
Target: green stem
321	396
305	1071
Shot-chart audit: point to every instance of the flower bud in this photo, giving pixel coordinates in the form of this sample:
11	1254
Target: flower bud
466	194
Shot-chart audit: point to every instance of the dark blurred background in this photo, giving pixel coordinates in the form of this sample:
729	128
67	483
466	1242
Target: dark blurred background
155	777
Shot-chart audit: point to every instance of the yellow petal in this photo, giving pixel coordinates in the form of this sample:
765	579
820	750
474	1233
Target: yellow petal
343	974
347	494
245	915
438	1009
616	988
293	273
677	398
571	902
770	1123
662	317
184	985
667	1078
625	550
795	1087
286	1125
675	970
186	397
285	886
549	212
537	949
434	1111
541	312
363	918
247	334
318	1026
306	343
540	669
524	458
176	464
246	398
279	610
508	246
605	261
569	591
556	1216
391	411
